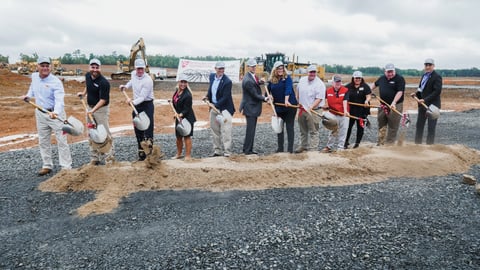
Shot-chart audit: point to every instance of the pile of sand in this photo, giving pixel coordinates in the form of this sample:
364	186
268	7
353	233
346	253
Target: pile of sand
362	165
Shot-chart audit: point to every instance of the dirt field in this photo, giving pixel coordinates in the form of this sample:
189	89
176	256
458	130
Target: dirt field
17	116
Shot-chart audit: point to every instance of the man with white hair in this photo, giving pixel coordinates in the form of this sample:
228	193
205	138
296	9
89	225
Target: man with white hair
310	96
142	85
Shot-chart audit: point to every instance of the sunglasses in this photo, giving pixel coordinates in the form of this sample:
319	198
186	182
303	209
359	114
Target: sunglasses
358	78
428	64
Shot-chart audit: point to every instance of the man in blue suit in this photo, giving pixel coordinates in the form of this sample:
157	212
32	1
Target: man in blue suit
251	105
220	97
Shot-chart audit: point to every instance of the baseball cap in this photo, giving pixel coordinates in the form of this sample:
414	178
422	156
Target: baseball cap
220	65
139	63
357	74
277	64
389	66
251	62
95	61
337	78
429	61
312	68
43	59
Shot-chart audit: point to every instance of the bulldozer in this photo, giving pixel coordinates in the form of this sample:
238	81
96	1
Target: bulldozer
294	68
25	67
125	68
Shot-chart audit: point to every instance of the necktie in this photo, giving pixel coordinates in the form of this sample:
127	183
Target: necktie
424	80
256	79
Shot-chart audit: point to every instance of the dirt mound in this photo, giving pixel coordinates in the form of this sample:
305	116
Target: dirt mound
240	172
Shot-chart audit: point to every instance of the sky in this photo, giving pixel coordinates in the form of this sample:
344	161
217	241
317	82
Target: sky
356	33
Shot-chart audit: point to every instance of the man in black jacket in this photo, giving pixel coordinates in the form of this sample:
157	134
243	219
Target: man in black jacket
429	90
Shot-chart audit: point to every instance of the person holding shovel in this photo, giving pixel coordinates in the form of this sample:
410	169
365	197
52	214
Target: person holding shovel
142	85
182	101
219	95
392	88
358	93
337	104
429	90
48	92
280	85
97	91
311	96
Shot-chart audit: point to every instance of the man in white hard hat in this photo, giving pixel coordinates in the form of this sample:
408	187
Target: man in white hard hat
310	96
219	94
142	85
251	105
97	91
429	90
48	92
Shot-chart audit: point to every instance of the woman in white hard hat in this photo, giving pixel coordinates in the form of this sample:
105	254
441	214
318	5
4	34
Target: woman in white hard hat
182	102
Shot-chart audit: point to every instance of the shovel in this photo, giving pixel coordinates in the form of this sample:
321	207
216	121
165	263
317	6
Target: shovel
329	120
72	125
184	127
432	111
220	119
277	122
388	105
97	133
140	121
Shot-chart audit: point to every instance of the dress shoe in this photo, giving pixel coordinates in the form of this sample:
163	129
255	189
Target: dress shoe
94	163
251	153
44	171
356	145
216	155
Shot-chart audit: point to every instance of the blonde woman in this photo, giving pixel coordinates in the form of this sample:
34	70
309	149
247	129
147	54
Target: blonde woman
280	87
182	102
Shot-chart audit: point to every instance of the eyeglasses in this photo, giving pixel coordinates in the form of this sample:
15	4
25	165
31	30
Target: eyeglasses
358	78
428	64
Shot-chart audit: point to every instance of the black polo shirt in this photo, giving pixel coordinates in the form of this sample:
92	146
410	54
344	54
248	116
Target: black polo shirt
97	89
389	88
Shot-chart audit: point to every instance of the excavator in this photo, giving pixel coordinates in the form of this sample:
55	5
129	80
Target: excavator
124	69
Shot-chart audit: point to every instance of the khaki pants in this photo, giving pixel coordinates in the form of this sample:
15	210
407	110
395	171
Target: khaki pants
309	125
391	123
45	127
221	132
101	117
338	136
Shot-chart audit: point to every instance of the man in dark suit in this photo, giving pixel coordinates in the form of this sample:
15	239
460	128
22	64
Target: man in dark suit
429	90
220	97
251	105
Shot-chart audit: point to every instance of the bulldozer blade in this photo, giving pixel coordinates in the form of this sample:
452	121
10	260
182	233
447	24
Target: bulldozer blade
73	126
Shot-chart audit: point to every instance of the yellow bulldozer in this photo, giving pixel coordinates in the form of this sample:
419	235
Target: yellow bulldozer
125	68
295	69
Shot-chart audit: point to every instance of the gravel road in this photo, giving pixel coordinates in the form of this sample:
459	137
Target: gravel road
401	223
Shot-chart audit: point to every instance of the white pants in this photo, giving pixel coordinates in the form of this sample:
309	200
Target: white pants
45	126
221	132
338	136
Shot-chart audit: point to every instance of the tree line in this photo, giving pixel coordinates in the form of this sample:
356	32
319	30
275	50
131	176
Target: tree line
171	61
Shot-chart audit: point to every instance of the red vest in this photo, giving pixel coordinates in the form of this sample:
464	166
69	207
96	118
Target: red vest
336	103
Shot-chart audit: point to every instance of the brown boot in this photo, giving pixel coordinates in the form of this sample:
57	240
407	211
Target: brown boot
44	171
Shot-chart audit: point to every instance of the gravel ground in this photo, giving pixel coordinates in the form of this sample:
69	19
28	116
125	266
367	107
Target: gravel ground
431	223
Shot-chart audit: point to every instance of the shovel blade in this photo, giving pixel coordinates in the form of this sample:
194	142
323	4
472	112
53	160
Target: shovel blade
184	127
141	122
73	126
99	134
277	124
433	112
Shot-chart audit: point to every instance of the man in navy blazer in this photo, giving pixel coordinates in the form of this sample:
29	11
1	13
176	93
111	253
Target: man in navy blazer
429	90
251	105
220	96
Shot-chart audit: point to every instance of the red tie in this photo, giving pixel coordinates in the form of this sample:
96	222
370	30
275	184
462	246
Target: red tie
256	79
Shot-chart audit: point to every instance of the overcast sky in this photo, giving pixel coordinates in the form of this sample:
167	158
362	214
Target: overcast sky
357	33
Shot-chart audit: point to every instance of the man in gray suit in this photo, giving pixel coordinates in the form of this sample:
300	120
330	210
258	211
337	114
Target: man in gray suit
251	105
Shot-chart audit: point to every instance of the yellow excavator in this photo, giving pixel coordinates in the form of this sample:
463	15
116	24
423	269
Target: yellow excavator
124	69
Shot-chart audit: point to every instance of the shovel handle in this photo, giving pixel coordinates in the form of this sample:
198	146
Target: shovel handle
418	100
90	116
174	111
43	110
130	103
271	102
283	104
362	105
388	105
211	106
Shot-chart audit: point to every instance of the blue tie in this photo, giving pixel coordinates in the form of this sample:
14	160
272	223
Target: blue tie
425	78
